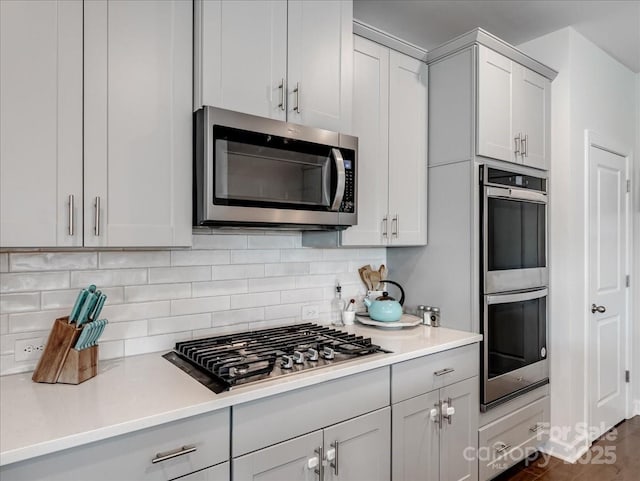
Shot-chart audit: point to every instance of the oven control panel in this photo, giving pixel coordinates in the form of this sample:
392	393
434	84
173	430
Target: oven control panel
348	199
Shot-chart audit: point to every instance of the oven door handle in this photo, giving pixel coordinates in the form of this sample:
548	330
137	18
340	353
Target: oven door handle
517	194
519	297
339	161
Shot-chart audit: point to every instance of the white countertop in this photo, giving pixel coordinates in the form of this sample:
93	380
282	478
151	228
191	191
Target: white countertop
143	391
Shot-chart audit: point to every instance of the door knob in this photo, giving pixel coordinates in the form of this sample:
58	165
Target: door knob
595	308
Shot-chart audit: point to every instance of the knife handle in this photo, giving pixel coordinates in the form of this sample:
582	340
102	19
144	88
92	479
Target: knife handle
75	312
87	307
82	339
99	306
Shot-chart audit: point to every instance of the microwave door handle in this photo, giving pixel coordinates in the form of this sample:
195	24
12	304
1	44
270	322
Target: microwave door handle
339	161
519	297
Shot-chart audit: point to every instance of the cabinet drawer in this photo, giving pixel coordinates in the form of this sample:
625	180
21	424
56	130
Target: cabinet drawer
418	376
130	456
268	421
509	440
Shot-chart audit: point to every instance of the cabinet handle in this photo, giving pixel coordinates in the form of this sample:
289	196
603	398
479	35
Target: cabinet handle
525	146
394	221
518	142
535	428
71	209
334	464
282	95
97	216
385	222
503	447
297	92
447	410
320	469
444	371
173	454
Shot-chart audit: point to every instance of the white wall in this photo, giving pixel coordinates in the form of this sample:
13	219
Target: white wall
225	282
592	91
636	253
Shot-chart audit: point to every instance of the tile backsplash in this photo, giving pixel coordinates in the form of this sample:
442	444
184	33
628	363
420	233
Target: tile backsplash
224	282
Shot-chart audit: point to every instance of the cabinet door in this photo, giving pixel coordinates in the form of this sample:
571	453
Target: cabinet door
496	139
138	123
40	123
460	432
407	150
371	126
359	449
531	115
415	438
294	460
320	59
220	472
241	56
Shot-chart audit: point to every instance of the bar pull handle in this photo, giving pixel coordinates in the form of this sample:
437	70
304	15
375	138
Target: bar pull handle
502	447
173	454
97	216
333	456
385	223
296	91
518	142
320	469
535	428
281	87
525	146
447	410
444	371
394	222
71	211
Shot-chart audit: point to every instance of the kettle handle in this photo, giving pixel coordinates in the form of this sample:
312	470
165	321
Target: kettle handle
401	301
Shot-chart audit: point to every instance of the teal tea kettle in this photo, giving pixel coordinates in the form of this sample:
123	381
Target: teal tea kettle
386	308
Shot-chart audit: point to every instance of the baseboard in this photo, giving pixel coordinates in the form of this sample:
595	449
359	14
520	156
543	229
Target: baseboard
568	452
636	407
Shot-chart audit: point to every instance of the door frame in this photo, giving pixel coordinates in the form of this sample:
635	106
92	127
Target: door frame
604	142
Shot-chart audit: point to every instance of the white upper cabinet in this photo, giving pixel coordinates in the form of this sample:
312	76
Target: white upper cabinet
138	123
283	60
513	111
40	123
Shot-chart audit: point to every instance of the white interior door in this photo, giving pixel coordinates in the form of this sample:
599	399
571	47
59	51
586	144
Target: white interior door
607	286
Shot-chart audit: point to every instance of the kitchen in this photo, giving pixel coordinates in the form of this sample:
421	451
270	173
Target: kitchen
113	97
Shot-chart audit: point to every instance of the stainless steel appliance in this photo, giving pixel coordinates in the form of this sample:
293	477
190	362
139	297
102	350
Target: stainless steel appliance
514	236
514	280
253	171
224	362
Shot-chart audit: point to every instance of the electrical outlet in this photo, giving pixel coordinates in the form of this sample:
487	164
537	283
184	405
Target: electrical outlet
29	349
310	312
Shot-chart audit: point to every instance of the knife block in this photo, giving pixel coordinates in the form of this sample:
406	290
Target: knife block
60	362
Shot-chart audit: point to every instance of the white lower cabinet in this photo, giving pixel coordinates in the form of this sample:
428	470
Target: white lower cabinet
219	472
354	450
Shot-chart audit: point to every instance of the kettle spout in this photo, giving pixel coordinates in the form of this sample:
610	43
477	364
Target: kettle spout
367	302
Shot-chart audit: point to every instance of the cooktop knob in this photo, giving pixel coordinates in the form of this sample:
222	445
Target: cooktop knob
312	354
287	362
298	357
328	353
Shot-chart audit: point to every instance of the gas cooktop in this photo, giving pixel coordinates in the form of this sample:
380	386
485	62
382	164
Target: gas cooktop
224	362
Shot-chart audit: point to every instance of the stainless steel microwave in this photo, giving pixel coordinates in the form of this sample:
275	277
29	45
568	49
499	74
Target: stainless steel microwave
258	172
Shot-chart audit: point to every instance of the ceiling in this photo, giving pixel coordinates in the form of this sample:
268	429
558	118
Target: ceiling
612	25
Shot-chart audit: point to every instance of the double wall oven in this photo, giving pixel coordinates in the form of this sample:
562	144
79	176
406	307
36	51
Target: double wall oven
514	280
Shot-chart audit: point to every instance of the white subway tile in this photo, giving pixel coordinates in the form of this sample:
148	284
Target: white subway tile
111	350
34	281
135	311
374	263
34	321
271	284
221	330
328	267
287	321
4	323
157	292
225	318
301	255
255	256
165	325
162	275
218	288
67	298
301	295
52	261
346	278
239	271
217	241
123	330
282	311
342	254
4	262
143	345
120	259
240	301
378	253
322	280
23	302
287	269
199	258
272	242
109	277
200	304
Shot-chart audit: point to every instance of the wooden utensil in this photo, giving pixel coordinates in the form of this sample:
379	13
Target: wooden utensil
363	275
374	277
383	272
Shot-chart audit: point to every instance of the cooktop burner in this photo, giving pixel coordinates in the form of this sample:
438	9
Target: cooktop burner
223	362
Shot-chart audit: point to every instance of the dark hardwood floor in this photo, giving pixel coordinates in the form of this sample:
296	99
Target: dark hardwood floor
608	460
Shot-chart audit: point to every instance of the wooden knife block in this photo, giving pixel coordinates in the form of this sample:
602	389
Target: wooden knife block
60	362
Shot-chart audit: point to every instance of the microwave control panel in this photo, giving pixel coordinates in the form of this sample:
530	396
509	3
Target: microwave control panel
348	199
